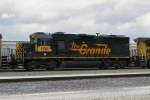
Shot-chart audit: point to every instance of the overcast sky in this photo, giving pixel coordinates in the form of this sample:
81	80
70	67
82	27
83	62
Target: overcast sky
19	18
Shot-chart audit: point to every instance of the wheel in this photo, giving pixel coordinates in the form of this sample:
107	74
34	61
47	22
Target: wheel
13	66
101	65
117	66
50	69
51	66
107	64
123	64
29	67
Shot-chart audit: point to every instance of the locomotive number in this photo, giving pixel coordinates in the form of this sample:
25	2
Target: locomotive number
44	49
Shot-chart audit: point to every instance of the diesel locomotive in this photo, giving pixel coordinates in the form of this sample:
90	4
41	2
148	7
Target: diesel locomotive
59	50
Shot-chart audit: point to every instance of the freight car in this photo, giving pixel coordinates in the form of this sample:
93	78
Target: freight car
143	52
58	50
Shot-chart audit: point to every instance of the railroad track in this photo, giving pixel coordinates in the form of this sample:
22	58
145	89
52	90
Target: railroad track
67	75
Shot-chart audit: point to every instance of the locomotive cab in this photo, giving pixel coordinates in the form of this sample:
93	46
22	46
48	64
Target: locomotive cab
39	51
40	42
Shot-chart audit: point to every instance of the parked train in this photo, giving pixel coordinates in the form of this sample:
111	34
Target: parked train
59	50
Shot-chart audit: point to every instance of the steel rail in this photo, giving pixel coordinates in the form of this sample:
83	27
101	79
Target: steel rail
71	77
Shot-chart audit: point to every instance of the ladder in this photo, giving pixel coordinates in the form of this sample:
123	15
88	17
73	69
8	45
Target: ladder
4	62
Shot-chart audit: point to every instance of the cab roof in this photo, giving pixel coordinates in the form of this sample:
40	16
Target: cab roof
40	35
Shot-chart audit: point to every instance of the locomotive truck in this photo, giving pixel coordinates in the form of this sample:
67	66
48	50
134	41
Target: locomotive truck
59	50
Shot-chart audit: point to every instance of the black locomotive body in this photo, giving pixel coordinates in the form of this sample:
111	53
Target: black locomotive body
76	50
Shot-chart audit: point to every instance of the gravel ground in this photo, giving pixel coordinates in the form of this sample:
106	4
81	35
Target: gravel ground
130	94
86	89
103	85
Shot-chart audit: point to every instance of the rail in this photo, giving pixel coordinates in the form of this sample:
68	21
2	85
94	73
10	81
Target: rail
73	76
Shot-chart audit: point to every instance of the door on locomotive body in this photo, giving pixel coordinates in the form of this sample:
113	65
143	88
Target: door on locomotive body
62	42
61	48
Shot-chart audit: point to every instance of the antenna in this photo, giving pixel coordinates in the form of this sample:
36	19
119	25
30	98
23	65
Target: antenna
98	34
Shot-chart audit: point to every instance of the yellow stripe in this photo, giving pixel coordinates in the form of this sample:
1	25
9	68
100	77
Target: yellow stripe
19	50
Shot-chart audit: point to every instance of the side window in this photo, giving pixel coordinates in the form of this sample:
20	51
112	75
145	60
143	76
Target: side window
33	40
41	42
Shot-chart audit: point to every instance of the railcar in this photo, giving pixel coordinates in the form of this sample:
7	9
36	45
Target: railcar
143	51
55	50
